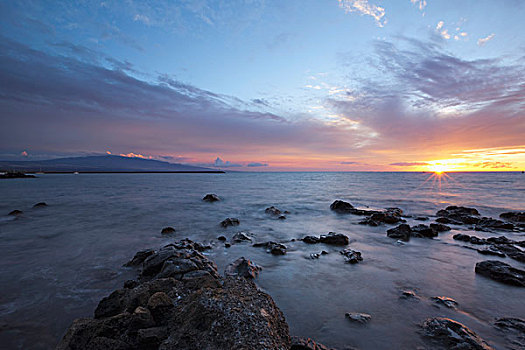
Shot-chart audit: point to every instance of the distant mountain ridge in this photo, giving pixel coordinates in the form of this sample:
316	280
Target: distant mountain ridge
105	163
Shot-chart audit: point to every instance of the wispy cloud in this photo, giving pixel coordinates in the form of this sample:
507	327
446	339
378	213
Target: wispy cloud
409	164
486	39
256	164
420	3
363	7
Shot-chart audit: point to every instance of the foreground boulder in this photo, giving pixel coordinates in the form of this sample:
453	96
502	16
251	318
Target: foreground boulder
501	272
191	307
334	239
210	197
423	231
449	334
342	207
402	232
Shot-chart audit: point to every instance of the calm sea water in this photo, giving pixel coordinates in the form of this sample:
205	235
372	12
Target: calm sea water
58	262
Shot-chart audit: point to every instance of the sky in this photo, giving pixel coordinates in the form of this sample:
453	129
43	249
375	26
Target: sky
254	85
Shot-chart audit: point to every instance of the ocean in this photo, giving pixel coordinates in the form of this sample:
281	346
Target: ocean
58	261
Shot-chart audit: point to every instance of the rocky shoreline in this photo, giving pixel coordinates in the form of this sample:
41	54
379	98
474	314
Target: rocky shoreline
179	300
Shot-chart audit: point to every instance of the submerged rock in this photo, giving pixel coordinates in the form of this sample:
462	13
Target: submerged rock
272	247
15	212
501	272
358	317
167	230
408	294
241	237
230	222
453	335
242	267
514	330
402	232
211	197
273	211
352	256
40	205
448	302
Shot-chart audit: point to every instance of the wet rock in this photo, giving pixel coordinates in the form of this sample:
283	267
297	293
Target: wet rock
470	239
358	317
446	301
15	212
450	334
421	218
459	215
306	344
333	238
227	245
241	237
510	250
310	239
130	284
408	294
423	231
511	322
352	256
513	216
242	267
281	217
210	197
15	175
152	336
272	247
40	205
492	250
221	238
139	257
342	207
273	211
402	232
167	230
439	227
230	222
514	330
501	272
445	221
485	224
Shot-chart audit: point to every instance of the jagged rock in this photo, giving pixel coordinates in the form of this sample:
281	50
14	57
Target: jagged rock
488	224
509	249
448	302
513	216
306	344
40	205
491	250
402	232
230	222
423	231
167	230
453	335
310	239
408	294
341	207
273	211
242	267
391	216
210	197
470	239
241	237
459	215
140	257
334	239
511	322
439	227
272	247
352	256
358	317
16	212
501	272
514	330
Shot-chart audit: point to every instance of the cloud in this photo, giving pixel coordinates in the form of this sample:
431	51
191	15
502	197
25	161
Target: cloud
364	8
409	164
135	155
141	18
421	4
349	163
255	164
24	154
219	163
108	152
439	25
483	41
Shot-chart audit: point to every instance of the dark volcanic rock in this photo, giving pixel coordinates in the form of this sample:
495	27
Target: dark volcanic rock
491	250
40	205
423	231
408	294
242	267
16	212
306	344
197	309
448	302
501	272
210	197
421	218
311	239
334	239
272	247
514	329
241	237
221	238
167	230
488	223
459	215
471	239
140	257
342	207
390	216
513	216
230	222
453	335
402	232
439	227
273	211
358	317
352	256
15	175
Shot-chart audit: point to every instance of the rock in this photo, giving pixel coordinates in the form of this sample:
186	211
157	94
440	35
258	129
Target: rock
40	205
140	257
227	245
230	222
342	207
273	211
15	212
408	294
402	232
130	284
152	336
448	302
310	239
501	272
421	218
272	247
514	329
352	256
470	239
492	250
221	238
334	239
387	217
452	335
513	216
167	230
358	317
439	227
511	322
210	197
306	344
512	251
15	175
445	221
281	217
492	224
423	231
241	237
242	267
459	215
